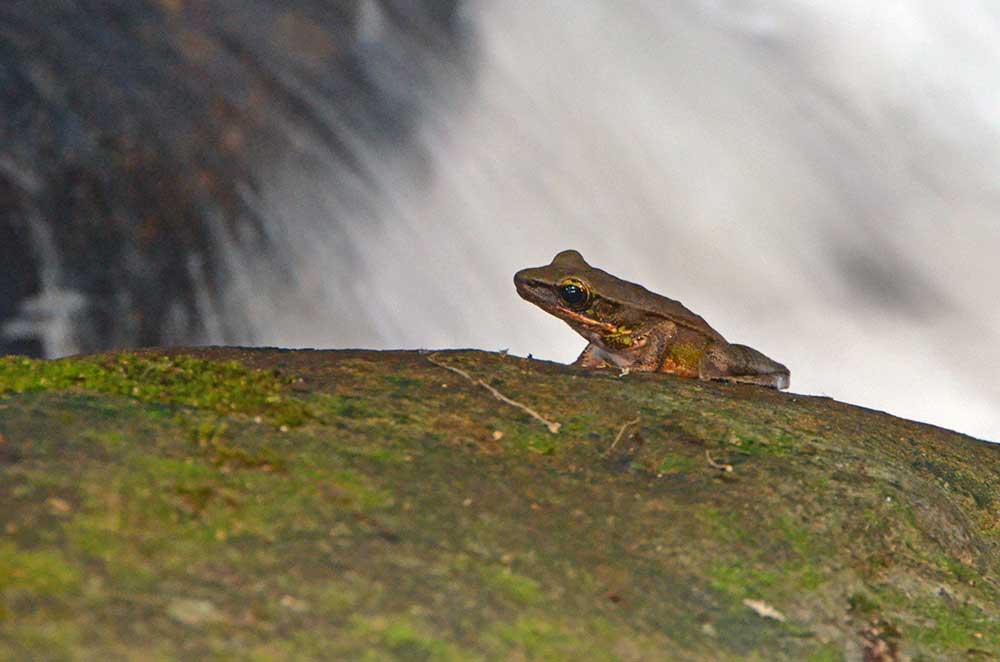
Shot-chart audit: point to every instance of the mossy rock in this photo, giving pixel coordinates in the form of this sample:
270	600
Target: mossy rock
226	503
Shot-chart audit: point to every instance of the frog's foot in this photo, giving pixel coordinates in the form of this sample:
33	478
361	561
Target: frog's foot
742	365
777	381
624	371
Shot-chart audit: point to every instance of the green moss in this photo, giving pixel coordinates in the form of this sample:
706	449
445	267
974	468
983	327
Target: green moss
551	638
862	604
803	542
336	600
789	561
752	442
825	653
676	464
521	589
542	640
401	638
403	383
942	622
111	440
720	524
960	571
982	494
52	641
225	388
966	628
209	436
741	580
539	443
345	406
39	572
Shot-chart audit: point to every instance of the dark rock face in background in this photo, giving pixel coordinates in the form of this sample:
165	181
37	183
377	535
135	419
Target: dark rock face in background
133	134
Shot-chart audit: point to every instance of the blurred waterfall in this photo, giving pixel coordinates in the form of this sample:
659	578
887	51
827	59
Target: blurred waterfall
818	180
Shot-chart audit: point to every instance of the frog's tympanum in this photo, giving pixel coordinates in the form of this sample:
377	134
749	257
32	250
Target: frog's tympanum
631	328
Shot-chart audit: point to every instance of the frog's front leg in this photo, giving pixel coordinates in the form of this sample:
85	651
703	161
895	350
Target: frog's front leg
592	357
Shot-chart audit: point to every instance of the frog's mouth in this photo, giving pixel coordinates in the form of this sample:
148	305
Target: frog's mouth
577	319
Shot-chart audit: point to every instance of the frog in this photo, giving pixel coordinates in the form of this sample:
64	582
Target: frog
630	328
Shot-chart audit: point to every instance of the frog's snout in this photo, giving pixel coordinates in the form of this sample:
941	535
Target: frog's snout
522	282
521	285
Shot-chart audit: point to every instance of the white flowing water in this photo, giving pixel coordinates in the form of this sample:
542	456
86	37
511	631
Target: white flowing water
820	180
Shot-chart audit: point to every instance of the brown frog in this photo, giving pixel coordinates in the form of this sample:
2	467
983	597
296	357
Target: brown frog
631	328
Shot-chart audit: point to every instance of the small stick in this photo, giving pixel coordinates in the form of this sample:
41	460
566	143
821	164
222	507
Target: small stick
621	431
716	465
551	425
764	610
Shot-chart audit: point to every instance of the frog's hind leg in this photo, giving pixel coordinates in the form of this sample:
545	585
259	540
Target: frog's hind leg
742	364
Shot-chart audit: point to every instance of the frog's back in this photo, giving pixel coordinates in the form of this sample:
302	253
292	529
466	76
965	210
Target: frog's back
653	303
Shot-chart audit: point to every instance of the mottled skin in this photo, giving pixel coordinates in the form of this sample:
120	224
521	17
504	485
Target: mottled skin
631	328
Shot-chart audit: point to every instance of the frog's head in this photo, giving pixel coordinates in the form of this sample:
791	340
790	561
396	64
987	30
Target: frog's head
586	298
562	285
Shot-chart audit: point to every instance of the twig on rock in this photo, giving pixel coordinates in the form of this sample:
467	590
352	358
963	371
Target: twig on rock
551	425
621	431
764	610
721	466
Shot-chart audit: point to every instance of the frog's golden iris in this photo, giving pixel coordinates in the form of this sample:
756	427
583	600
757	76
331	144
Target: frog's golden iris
574	292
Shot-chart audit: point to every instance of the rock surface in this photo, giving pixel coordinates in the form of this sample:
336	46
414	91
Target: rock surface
225	503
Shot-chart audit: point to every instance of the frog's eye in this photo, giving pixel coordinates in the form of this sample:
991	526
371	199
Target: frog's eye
574	292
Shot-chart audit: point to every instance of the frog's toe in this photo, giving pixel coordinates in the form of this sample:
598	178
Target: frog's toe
777	380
